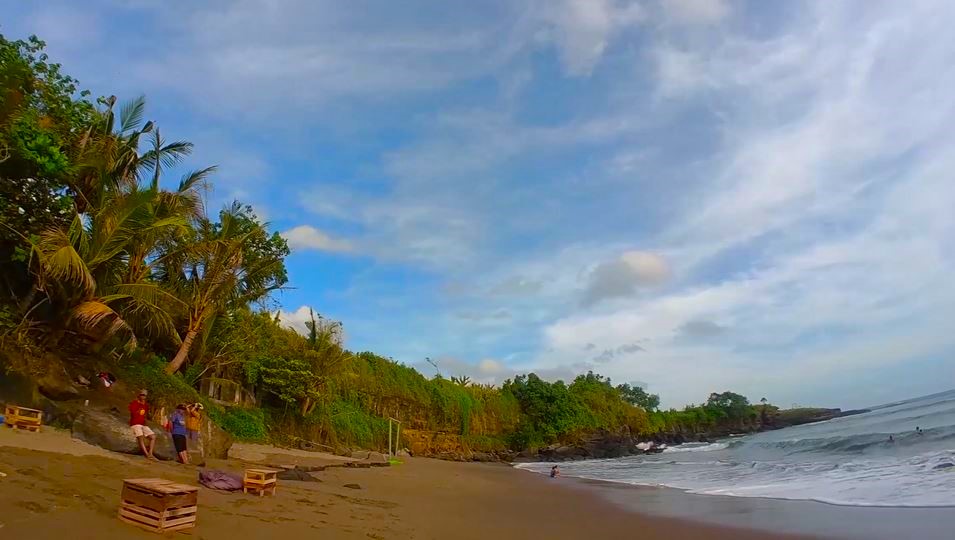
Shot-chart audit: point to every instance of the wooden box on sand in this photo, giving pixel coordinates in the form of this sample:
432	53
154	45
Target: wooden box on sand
260	481
22	418
158	505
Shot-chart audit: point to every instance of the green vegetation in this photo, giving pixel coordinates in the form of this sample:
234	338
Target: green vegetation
103	266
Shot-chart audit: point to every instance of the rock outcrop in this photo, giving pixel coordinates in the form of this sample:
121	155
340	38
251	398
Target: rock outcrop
109	431
436	444
213	441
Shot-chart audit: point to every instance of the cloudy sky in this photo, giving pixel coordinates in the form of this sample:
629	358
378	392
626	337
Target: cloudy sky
696	195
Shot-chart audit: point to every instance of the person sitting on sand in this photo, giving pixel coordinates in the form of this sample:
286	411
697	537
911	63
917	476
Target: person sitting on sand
555	472
179	433
138	410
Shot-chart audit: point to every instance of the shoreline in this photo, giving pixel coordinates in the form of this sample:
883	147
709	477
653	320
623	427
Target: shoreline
57	486
767	515
73	490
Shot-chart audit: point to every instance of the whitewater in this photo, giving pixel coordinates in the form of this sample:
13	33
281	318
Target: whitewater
845	461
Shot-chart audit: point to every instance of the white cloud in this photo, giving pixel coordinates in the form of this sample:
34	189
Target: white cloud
624	275
695	11
296	321
485	371
830	214
306	237
584	28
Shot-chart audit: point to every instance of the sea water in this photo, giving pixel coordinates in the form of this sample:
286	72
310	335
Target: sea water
845	461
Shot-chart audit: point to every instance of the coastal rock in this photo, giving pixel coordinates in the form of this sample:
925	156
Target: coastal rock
943	466
105	430
214	442
437	444
58	386
371	456
352	486
296	475
483	457
377	457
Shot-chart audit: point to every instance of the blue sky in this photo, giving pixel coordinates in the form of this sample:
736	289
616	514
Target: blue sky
698	195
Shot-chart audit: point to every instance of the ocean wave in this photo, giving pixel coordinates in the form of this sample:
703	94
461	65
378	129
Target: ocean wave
855	444
697	447
915	481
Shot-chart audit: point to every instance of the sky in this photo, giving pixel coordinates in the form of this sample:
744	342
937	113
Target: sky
689	195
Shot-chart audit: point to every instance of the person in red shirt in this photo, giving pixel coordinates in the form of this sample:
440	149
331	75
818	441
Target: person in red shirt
138	410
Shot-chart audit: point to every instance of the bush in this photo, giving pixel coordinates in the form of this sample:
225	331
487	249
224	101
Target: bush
243	424
144	370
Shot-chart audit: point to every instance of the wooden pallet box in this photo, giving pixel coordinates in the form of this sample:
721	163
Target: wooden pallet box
259	481
18	417
158	505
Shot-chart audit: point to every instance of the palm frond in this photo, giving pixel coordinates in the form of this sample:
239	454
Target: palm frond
149	293
131	114
93	312
173	153
193	180
61	261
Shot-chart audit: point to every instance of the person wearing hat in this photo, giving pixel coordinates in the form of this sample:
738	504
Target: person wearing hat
193	419
138	411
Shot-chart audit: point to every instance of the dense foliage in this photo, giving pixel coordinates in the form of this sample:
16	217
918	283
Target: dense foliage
102	253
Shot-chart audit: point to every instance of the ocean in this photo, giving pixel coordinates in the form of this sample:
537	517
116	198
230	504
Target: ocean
846	461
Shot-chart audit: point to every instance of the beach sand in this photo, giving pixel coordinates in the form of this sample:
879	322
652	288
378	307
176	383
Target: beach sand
59	488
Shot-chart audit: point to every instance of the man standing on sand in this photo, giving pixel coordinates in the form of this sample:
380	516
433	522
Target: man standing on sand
138	410
194	420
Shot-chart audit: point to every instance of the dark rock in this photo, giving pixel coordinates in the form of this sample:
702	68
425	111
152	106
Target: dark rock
377	457
296	475
213	441
943	466
483	457
352	486
58	386
102	429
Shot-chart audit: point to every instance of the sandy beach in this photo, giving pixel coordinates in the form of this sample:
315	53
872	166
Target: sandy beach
56	487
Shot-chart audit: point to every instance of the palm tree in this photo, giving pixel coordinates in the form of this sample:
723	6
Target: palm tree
85	267
325	357
217	269
101	267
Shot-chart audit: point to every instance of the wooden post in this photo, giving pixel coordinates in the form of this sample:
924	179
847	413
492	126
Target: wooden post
389	438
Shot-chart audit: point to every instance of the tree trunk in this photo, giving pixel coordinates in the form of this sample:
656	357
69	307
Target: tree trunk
183	352
305	406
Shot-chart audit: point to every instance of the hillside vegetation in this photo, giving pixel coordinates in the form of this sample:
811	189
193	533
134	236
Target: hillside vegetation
107	263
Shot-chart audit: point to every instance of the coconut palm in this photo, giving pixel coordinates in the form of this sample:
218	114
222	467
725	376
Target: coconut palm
227	264
108	157
100	268
84	266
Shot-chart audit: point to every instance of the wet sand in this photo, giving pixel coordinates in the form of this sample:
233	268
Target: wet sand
58	488
772	515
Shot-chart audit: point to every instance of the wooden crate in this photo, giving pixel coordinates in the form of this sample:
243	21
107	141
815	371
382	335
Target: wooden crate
259	481
158	505
22	418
